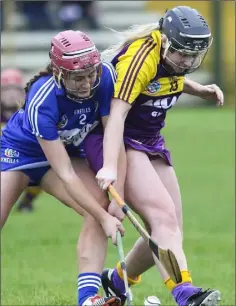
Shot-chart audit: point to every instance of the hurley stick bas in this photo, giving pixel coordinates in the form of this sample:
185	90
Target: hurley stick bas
166	257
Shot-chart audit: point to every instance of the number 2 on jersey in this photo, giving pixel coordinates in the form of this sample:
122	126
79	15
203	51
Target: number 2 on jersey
82	119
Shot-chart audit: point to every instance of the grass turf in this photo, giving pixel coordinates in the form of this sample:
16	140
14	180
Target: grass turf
39	249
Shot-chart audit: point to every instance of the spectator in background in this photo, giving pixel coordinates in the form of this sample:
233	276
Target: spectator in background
12	92
36	13
12	98
71	12
55	15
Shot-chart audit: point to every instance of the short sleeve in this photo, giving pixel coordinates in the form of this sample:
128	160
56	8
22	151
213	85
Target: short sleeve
42	110
136	68
109	79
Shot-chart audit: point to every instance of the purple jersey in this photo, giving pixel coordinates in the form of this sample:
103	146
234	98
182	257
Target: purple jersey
150	90
146	86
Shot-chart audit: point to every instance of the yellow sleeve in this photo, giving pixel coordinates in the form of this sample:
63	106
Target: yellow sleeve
136	68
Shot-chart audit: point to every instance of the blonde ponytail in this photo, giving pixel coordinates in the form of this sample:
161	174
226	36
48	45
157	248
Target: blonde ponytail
130	35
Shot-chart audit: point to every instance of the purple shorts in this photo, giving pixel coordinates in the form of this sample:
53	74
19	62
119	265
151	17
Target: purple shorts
94	149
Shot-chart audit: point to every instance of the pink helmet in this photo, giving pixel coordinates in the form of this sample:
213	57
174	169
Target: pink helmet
73	50
12	77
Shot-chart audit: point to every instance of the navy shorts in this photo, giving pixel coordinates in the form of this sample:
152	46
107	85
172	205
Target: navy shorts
35	168
36	175
14	160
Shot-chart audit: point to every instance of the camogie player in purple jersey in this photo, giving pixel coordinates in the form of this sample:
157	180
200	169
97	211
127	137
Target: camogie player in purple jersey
12	94
151	63
42	144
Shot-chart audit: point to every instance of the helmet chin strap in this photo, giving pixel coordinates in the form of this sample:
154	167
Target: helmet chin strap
165	47
58	78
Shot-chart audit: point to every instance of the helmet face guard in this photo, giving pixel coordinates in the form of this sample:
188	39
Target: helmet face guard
70	80
186	59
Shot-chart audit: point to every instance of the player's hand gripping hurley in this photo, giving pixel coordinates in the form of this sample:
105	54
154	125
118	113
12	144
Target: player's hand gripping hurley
166	257
123	267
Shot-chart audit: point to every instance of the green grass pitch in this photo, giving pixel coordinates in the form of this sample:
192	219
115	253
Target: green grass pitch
39	250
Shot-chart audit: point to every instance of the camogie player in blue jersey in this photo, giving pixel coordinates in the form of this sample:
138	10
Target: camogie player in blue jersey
42	144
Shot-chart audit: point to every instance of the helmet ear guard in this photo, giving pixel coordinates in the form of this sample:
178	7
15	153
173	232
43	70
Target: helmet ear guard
161	23
58	76
162	20
57	73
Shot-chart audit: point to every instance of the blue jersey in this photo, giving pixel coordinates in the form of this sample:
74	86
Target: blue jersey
49	114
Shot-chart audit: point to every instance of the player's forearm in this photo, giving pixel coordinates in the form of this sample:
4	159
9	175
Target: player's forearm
113	138
81	195
122	164
193	88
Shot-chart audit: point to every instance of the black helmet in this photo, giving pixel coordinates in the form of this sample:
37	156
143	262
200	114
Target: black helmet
188	33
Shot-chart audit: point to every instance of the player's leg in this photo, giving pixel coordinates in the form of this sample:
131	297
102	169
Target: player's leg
26	202
13	184
140	258
151	200
54	186
148	196
169	179
92	239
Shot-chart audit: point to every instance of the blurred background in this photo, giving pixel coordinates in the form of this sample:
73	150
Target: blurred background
28	26
38	249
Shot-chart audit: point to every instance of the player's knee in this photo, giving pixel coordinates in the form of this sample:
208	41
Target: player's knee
163	216
90	230
89	222
102	199
169	220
